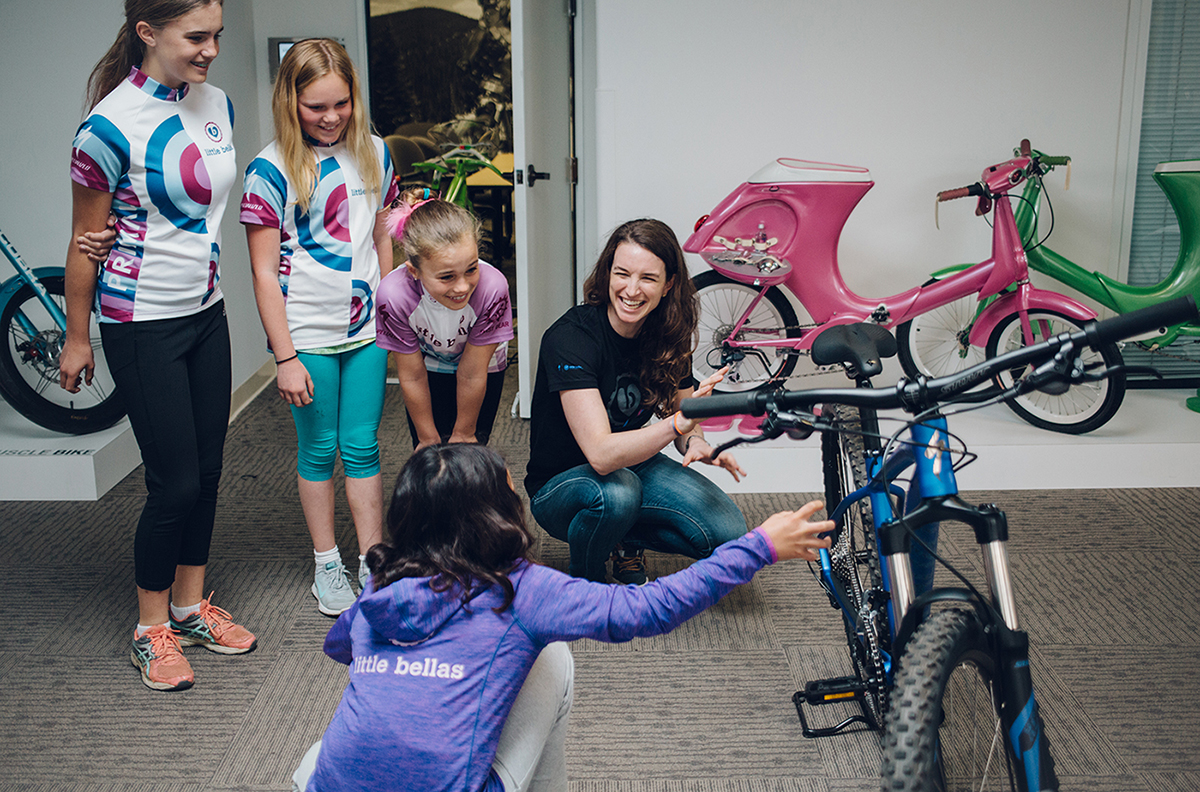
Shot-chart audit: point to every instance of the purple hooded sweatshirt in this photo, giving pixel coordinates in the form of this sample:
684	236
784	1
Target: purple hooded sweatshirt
432	681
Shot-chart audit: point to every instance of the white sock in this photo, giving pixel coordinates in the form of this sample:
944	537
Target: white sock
179	614
325	557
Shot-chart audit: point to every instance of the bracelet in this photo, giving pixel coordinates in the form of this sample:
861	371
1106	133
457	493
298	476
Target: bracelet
688	443
286	359
675	423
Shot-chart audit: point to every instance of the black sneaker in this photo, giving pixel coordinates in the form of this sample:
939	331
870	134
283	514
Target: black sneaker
629	567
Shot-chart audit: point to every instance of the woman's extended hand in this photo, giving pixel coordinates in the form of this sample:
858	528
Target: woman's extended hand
794	536
710	382
294	383
699	450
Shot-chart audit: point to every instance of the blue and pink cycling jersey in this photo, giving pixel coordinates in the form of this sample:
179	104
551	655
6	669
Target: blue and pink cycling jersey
167	156
328	264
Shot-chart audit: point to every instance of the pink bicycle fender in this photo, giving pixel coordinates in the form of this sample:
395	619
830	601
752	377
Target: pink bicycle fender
1032	299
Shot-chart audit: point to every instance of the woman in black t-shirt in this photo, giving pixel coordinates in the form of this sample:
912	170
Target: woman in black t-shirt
596	477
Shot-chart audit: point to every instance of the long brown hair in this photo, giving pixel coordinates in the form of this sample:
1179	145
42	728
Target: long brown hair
666	338
305	63
129	49
455	518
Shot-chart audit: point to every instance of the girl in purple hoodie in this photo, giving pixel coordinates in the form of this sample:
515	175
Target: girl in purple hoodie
458	679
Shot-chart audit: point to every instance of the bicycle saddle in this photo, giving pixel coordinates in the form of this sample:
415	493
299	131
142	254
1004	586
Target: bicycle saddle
863	346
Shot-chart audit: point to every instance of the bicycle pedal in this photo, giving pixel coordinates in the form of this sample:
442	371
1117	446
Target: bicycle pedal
833	691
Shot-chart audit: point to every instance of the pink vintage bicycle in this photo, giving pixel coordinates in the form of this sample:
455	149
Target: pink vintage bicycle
780	230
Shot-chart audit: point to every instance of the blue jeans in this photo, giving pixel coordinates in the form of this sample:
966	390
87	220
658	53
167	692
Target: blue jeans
655	505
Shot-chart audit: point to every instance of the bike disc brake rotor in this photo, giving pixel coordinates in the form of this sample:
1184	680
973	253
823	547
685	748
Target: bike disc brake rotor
41	353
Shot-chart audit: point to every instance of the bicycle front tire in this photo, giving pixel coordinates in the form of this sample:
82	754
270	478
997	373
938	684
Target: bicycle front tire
29	367
942	730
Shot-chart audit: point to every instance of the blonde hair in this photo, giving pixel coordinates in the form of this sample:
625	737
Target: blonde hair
129	49
305	63
434	225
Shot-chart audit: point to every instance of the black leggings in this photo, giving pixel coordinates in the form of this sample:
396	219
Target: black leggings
443	397
174	378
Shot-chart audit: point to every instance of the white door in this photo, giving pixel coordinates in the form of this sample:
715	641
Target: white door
542	191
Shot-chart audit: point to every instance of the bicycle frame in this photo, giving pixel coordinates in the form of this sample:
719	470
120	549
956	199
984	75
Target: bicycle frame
781	228
28	275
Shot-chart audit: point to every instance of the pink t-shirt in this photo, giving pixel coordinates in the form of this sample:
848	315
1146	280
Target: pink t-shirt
409	320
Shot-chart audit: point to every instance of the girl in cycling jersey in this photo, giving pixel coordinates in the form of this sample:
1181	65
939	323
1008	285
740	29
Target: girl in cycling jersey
313	207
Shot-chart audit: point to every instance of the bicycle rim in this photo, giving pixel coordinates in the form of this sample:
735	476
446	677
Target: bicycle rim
29	368
935	343
1083	407
722	304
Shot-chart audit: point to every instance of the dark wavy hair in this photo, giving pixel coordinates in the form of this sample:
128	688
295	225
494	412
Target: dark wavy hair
666	339
454	517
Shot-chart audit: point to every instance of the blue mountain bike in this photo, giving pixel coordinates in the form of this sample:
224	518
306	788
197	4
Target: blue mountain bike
943	673
33	325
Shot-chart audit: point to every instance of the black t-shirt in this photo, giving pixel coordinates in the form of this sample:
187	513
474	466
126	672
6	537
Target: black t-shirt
581	351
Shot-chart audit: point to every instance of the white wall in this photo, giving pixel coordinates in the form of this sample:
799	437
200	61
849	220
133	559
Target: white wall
682	100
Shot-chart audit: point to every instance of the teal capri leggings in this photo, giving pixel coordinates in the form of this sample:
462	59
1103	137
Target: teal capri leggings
344	414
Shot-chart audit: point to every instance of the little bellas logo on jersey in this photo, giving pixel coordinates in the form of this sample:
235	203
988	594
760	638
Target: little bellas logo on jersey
213	131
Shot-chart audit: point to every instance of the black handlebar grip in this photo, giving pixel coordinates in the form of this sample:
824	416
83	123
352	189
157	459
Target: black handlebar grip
1144	320
748	403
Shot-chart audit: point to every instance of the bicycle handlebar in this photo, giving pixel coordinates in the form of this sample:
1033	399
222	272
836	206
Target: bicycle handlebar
961	192
918	396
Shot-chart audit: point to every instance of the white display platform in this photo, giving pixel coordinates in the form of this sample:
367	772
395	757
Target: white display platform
37	464
1153	441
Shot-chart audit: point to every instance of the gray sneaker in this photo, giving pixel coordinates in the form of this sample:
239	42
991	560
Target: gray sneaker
332	589
364	575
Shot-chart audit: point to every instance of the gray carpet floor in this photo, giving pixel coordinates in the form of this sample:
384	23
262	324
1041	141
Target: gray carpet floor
1106	580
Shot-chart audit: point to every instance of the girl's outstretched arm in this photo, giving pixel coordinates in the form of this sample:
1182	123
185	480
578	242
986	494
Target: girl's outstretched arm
562	608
